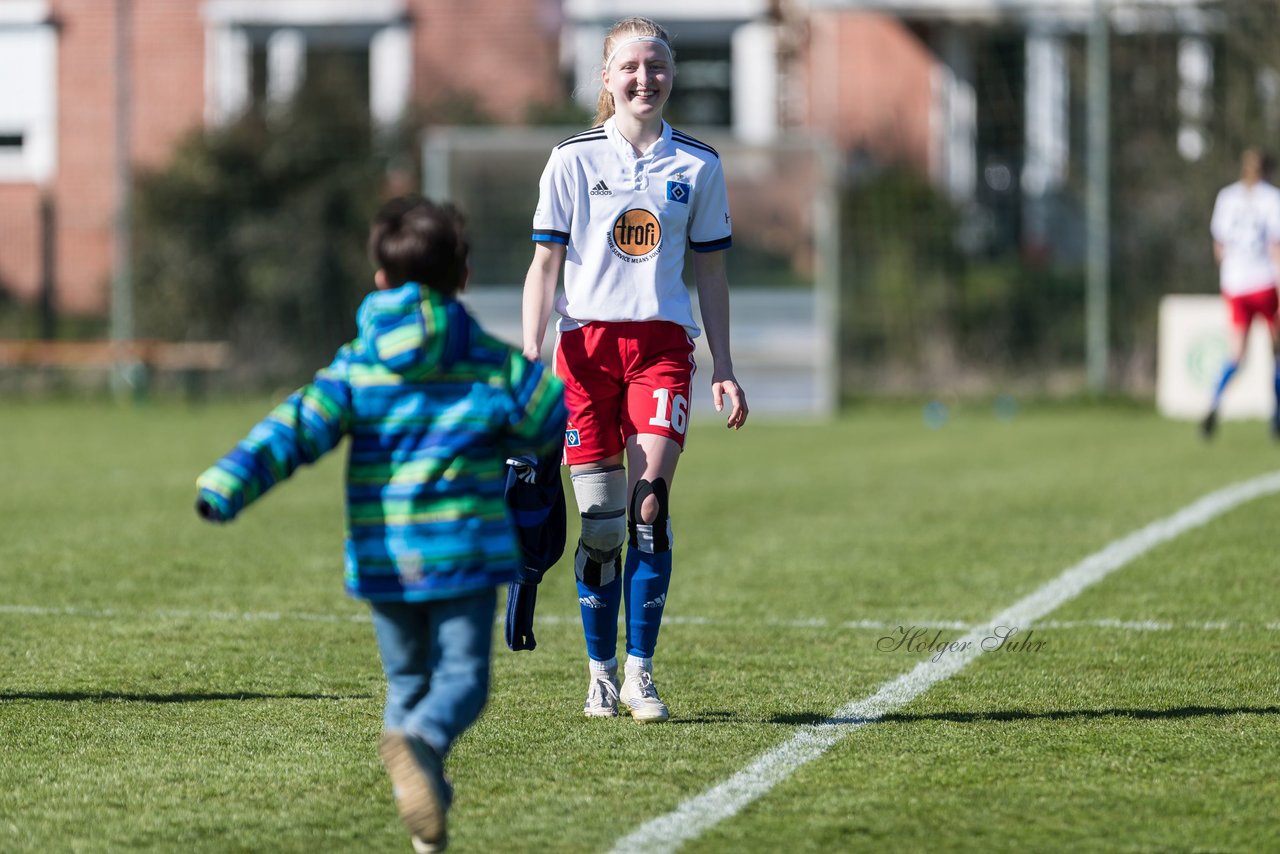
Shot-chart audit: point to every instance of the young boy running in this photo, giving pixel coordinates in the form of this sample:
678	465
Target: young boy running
433	406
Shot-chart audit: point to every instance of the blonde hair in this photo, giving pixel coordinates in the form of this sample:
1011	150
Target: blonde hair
627	28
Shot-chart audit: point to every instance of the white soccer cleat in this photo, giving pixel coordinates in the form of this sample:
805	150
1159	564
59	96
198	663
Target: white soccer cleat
640	697
602	698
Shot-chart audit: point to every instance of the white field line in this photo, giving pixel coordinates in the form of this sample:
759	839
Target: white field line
931	625
896	626
193	616
698	814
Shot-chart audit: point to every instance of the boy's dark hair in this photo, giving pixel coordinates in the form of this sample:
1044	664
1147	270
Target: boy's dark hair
413	239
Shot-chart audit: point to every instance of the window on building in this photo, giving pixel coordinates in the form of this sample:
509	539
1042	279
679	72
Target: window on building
28	97
704	86
267	51
285	63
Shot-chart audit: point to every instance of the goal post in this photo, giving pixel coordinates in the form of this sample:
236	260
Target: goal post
783	267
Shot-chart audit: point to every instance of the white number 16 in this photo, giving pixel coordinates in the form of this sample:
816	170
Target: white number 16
679	409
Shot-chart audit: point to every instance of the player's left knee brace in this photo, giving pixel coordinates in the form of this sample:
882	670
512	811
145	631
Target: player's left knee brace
652	537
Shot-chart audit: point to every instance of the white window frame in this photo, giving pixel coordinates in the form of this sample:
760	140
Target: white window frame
29	40
753	46
228	51
608	11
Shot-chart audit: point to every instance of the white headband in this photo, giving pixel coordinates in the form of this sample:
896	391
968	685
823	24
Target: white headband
635	40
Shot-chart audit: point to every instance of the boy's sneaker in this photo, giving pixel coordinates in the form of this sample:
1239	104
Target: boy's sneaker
602	697
421	791
421	846
640	696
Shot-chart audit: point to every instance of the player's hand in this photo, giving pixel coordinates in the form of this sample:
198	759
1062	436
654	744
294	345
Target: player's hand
532	354
728	387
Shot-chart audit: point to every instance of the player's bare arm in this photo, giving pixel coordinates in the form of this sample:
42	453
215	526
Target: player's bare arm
713	298
539	294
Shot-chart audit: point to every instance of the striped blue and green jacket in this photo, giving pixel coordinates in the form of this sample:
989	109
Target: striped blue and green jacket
433	406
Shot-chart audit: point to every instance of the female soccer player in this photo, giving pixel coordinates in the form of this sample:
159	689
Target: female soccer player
618	205
1246	244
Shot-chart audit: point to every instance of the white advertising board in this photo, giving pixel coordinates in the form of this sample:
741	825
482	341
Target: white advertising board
1192	352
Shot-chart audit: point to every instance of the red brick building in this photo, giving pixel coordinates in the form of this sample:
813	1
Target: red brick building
868	83
194	61
905	81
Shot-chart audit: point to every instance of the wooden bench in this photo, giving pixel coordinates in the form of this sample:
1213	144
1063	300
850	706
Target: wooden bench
193	359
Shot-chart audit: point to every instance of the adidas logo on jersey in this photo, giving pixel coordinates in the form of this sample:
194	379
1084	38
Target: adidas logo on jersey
601	189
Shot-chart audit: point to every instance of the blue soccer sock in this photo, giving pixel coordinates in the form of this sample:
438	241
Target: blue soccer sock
599	604
647	577
1228	372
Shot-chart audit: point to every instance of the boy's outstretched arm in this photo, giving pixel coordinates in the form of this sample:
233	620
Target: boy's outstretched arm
303	428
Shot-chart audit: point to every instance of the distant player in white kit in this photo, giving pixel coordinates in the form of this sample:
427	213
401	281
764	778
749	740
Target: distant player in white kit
1246	245
618	206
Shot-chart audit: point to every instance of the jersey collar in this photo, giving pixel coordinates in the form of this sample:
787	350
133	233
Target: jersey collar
624	148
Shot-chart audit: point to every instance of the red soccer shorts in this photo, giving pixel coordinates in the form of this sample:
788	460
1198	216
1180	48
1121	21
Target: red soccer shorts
621	379
1246	307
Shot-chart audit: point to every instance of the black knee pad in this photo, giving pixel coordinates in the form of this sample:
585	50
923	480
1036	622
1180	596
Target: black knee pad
660	541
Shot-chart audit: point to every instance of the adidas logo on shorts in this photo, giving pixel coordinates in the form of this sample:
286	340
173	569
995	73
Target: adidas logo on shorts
601	189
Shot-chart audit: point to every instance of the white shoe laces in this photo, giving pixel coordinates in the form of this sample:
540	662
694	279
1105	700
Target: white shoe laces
647	689
602	692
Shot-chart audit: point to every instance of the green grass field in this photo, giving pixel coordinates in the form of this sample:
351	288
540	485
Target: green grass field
167	685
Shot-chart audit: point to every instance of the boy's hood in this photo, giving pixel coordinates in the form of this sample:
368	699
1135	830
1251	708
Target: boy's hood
400	327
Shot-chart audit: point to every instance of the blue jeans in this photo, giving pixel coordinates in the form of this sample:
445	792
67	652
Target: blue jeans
436	658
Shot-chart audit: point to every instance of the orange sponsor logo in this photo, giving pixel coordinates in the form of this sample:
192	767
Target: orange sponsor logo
637	232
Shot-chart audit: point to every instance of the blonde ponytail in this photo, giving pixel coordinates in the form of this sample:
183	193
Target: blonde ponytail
604	107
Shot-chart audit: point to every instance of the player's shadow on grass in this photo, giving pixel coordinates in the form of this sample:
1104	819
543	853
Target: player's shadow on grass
710	716
181	697
1182	712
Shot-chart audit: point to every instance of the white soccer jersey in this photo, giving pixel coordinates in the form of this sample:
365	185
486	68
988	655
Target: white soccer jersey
1246	221
625	221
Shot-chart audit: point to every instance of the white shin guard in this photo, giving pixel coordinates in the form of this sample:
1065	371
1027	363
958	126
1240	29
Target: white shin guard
602	503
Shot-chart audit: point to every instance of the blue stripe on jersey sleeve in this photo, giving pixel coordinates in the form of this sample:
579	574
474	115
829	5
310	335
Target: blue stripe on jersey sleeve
712	245
551	236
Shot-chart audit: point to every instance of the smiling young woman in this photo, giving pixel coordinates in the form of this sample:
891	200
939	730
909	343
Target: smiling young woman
617	207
